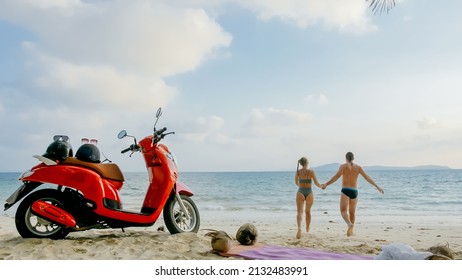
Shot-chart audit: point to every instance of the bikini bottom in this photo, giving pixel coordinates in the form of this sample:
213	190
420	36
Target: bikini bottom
305	191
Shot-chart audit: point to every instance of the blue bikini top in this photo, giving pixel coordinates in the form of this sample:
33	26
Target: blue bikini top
304	181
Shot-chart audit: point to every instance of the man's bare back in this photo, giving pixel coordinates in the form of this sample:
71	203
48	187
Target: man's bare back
350	172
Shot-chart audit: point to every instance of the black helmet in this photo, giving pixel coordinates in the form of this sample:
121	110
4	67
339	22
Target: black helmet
58	150
89	153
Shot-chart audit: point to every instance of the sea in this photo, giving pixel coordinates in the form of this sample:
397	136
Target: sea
271	195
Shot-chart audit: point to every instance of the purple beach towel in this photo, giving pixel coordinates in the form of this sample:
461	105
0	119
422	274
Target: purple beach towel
272	252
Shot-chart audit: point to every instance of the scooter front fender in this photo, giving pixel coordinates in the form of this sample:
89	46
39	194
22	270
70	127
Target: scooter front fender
181	188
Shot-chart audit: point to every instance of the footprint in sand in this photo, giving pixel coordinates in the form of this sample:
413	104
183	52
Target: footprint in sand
80	250
4	256
111	241
294	242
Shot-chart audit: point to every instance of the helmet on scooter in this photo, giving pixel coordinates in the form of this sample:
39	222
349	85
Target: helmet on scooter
88	153
58	150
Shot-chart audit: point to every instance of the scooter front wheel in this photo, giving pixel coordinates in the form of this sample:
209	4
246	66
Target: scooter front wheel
31	226
177	220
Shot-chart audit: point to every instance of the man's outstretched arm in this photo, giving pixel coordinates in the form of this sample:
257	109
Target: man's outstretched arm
335	177
369	180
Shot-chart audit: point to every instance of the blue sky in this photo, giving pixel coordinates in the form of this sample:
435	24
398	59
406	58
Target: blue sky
246	85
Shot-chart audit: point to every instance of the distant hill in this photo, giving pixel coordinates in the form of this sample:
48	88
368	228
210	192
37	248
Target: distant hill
335	166
420	167
327	167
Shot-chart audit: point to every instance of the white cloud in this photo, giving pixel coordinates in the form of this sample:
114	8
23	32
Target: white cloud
111	53
219	138
323	99
428	123
270	121
202	129
201	124
137	36
268	126
120	51
348	16
50	4
319	98
343	15
95	85
407	18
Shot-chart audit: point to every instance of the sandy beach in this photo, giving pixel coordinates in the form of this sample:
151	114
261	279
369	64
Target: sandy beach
150	244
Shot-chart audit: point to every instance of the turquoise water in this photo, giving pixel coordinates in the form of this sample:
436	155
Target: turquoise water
407	193
272	194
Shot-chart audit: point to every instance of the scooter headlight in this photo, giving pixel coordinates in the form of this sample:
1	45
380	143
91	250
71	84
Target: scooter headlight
26	173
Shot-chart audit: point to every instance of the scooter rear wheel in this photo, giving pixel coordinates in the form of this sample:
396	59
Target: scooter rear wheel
176	220
31	226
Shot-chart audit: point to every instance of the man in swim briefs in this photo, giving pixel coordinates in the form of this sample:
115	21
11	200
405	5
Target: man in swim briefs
349	193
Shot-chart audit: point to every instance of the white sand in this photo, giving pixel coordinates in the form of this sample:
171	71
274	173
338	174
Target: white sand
327	233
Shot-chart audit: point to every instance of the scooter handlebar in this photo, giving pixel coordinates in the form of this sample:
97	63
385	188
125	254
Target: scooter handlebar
126	150
158	135
133	148
160	131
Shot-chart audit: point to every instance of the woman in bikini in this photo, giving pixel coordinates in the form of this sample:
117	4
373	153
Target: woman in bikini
303	179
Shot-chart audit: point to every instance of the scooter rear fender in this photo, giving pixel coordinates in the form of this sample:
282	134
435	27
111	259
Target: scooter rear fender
21	192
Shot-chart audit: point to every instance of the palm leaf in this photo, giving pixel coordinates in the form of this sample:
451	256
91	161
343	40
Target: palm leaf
380	6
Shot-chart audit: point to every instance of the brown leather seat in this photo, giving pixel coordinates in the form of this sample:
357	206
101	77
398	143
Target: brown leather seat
109	171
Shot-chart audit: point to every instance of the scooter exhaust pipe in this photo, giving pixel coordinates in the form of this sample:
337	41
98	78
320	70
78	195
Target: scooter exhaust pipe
53	213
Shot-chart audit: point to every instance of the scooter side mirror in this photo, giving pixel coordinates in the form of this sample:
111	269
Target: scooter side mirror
159	112
122	134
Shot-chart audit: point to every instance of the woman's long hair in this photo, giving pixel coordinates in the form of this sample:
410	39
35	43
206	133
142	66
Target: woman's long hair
302	161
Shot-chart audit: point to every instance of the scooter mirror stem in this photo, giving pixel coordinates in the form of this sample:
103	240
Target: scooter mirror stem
124	134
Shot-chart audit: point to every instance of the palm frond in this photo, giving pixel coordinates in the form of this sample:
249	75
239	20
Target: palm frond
380	6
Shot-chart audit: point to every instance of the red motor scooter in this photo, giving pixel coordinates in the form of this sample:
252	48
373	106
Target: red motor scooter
85	192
